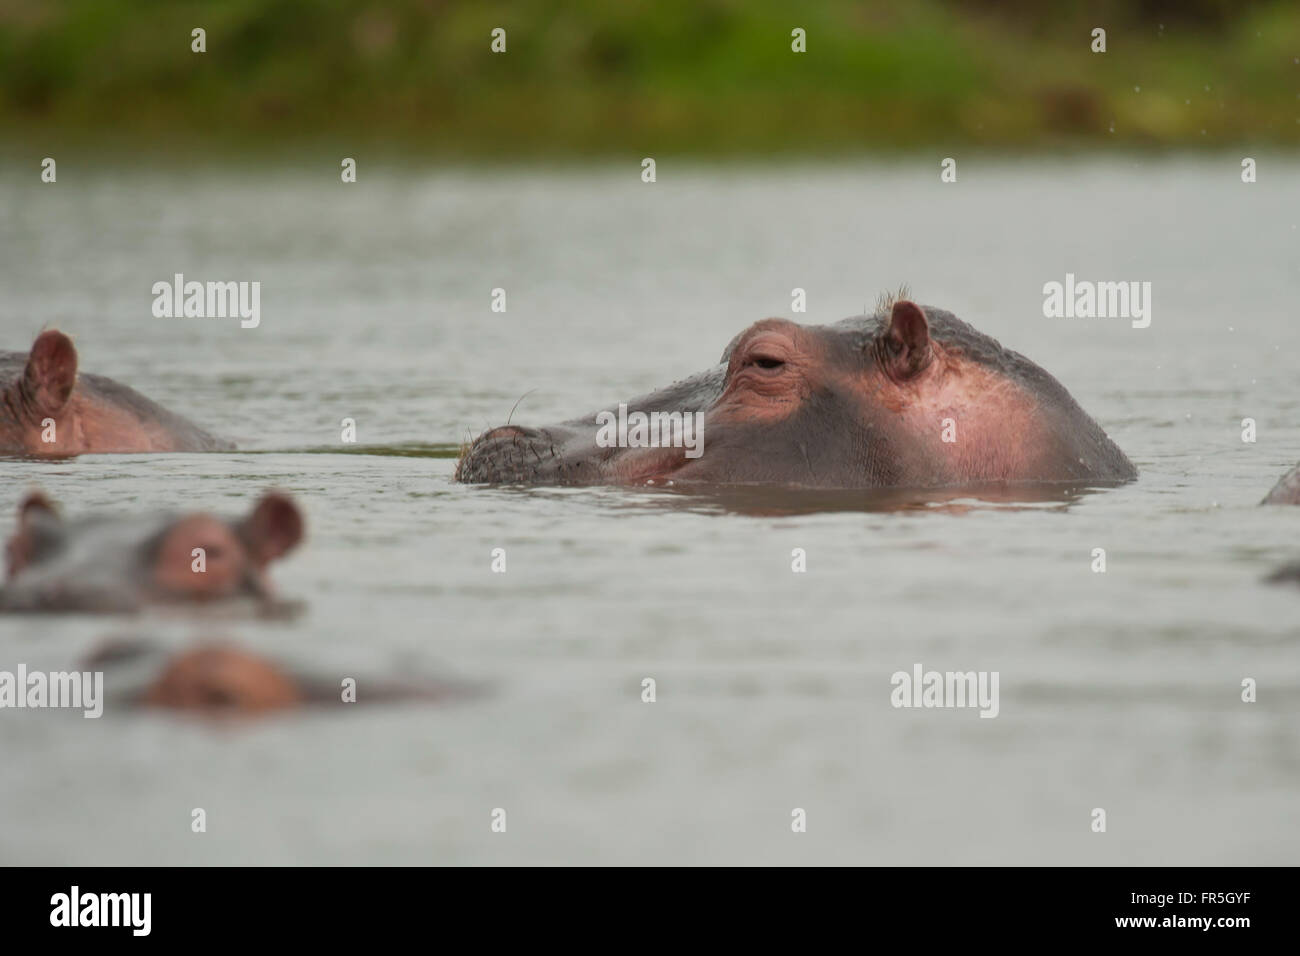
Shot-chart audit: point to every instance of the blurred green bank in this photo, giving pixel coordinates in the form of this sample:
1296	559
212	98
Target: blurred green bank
709	77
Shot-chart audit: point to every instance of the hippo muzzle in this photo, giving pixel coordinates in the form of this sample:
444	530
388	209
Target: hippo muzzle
513	454
569	454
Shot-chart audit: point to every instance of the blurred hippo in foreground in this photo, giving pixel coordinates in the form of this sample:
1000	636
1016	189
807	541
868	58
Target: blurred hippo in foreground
1286	491
47	409
222	679
113	563
909	397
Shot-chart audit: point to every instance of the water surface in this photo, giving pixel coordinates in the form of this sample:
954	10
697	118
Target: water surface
1118	690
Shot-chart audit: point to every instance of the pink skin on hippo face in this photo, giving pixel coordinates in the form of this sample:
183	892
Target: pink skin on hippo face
104	563
907	398
48	410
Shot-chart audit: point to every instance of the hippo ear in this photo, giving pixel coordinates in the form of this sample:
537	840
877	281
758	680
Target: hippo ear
907	340
35	503
274	528
51	371
33	532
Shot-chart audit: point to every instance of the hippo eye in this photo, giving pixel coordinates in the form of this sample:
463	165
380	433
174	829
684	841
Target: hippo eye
767	361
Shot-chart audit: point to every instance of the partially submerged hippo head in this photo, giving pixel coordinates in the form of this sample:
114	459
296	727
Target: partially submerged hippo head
909	397
221	679
217	678
110	563
47	409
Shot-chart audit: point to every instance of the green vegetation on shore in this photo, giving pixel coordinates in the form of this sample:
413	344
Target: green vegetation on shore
708	77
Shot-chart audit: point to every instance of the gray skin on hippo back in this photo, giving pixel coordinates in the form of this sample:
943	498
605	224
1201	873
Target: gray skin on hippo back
857	404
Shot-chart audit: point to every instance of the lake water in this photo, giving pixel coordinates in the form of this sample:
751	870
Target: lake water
1119	691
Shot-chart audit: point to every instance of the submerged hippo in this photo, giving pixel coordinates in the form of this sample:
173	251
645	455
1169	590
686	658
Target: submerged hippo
909	397
220	679
47	409
1286	491
111	563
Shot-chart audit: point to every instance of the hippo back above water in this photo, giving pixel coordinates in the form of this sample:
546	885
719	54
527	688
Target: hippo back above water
908	397
47	409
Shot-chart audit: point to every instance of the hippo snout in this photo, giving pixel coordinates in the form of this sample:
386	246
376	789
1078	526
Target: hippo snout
507	454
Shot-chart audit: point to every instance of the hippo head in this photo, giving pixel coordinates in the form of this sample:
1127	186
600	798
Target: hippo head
219	680
37	414
99	563
909	397
48	410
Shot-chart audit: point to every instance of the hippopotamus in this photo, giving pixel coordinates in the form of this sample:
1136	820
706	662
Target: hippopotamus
221	678
910	397
122	563
47	409
218	678
1286	491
